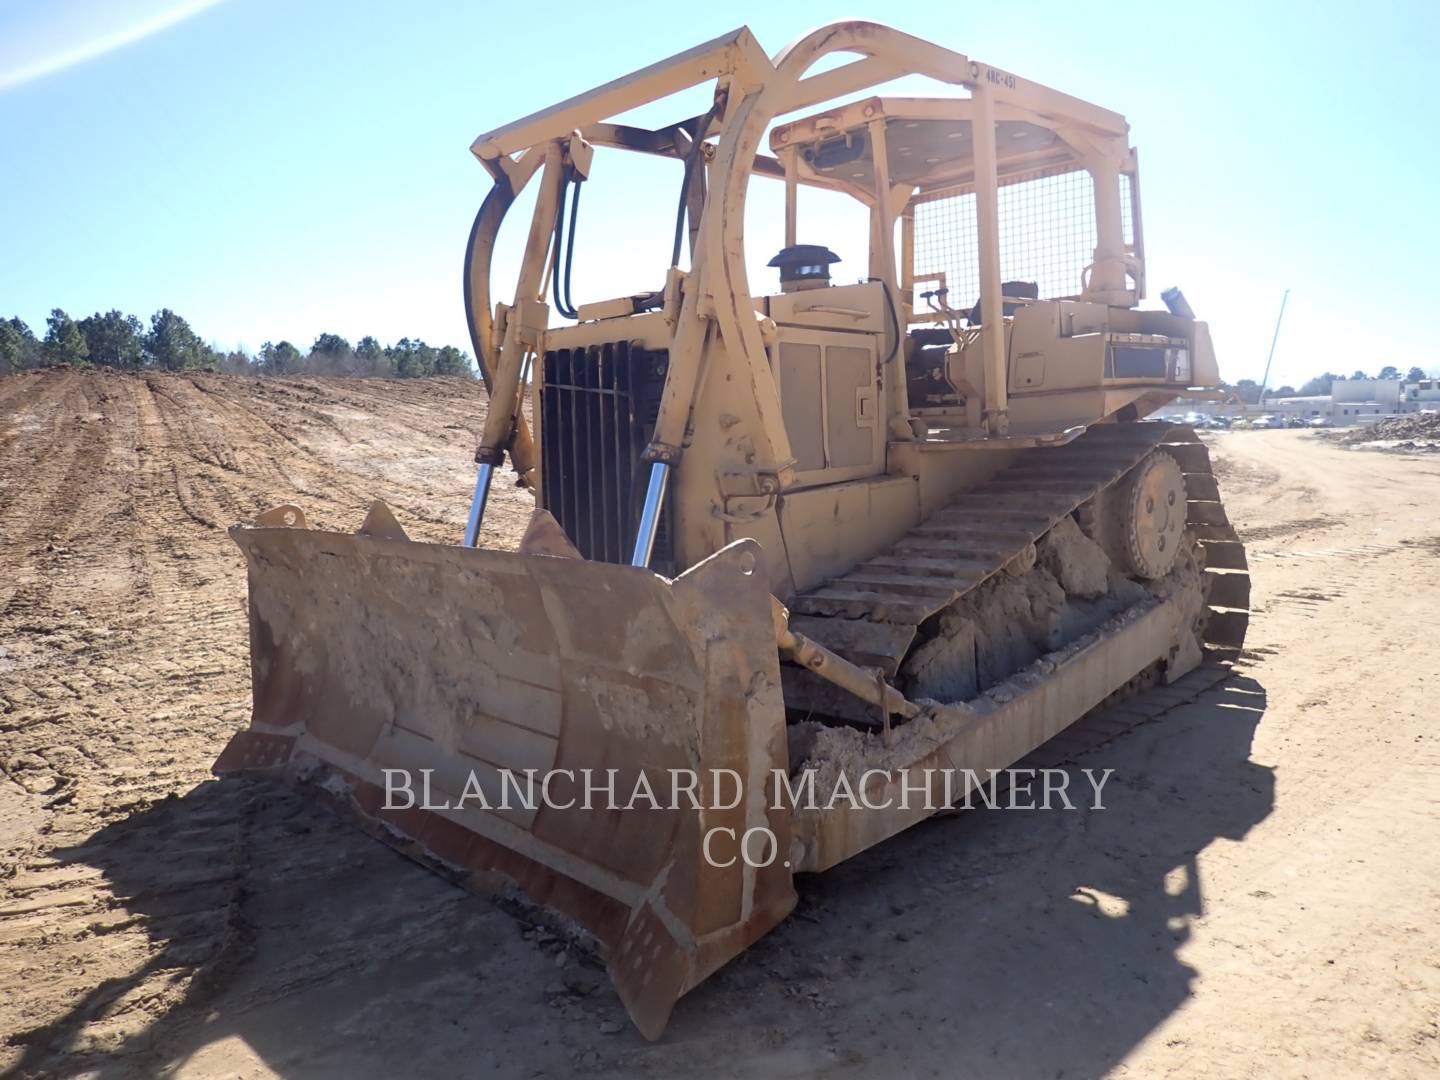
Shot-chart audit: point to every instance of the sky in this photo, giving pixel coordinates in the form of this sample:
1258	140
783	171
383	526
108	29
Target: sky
271	170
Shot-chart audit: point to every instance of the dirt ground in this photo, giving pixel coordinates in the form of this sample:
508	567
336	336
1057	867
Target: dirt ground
1260	897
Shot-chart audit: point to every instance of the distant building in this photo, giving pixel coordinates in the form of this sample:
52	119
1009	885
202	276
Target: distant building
1307	407
1419	396
1359	412
1350	401
1384	392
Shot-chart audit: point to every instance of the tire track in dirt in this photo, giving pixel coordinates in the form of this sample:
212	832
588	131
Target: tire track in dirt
126	668
32	512
288	469
26	403
364	420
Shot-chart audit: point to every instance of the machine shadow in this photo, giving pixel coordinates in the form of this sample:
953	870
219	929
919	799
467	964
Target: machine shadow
991	943
269	925
1031	943
188	913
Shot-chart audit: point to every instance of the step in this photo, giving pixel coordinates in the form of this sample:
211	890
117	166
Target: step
1081	472
1193	457
861	641
1226	628
966	524
1144	430
940	547
943	589
838	599
1202	486
968	545
1077	489
1032	522
1227	589
920	566
1205	513
1008	501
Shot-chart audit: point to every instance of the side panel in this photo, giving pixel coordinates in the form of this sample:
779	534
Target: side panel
942	472
829	529
802	394
830	403
850	405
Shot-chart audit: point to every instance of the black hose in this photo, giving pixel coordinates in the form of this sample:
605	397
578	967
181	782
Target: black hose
477	308
894	318
565	251
558	242
697	148
570	247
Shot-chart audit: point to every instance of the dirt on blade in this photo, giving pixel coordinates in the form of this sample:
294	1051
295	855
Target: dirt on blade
1258	897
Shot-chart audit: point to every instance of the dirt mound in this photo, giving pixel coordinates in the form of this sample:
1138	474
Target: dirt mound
1417	426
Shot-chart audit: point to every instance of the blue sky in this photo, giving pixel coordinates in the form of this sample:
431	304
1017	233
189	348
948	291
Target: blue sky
276	169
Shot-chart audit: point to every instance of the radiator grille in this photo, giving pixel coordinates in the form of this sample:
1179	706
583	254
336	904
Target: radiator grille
598	408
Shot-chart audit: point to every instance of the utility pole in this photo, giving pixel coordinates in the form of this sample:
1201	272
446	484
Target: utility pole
1264	382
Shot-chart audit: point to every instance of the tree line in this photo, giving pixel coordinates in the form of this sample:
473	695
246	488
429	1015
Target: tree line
116	340
122	341
1320	385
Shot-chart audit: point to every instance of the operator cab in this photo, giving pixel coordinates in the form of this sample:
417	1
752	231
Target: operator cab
1065	292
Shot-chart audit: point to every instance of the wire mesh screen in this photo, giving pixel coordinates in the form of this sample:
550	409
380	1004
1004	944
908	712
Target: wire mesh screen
1047	235
1127	209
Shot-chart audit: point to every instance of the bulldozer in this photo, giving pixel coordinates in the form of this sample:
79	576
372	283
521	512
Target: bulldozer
869	535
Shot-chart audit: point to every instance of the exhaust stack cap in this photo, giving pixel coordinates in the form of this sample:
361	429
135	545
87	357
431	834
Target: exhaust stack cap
804	266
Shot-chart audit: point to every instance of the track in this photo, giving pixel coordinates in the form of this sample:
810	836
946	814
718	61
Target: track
872	614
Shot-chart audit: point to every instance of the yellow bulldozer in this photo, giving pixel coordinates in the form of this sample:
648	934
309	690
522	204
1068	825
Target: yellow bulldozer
817	536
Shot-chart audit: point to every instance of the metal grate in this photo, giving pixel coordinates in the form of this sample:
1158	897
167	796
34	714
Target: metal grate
598	407
1127	210
1047	235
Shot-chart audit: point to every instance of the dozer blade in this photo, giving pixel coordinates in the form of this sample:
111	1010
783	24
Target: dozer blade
372	653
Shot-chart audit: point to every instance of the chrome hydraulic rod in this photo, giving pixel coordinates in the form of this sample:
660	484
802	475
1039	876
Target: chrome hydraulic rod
650	515
477	505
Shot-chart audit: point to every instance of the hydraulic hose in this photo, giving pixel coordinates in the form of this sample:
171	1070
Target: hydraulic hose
894	318
697	150
565	250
